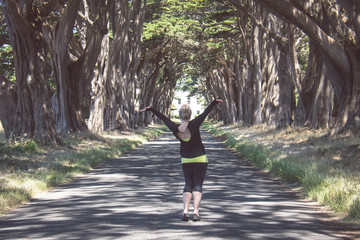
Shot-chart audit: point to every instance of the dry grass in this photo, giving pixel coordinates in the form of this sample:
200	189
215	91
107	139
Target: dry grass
27	169
327	168
304	145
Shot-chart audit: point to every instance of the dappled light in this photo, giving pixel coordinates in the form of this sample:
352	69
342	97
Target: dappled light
139	196
286	74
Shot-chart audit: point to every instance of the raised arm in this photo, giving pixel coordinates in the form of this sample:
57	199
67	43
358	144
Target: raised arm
200	119
170	124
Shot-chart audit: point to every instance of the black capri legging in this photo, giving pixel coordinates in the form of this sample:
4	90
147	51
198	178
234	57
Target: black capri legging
194	174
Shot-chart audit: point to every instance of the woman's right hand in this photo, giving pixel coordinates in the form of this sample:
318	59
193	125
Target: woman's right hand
218	100
143	110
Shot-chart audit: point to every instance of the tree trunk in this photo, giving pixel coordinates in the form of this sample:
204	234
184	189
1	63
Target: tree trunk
98	91
67	91
286	76
83	68
271	86
164	91
257	77
7	104
316	94
244	73
95	57
238	89
124	62
33	113
151	70
227	82
138	15
349	113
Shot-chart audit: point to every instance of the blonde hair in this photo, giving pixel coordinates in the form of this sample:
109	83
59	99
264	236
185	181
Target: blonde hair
185	112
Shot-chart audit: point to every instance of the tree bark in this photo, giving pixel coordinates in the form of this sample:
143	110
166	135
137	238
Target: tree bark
287	77
33	113
152	64
98	91
123	62
316	94
67	90
93	58
257	76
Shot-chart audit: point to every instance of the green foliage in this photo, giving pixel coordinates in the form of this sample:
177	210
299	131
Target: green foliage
188	83
220	29
25	146
7	62
10	198
30	146
6	55
354	212
172	19
200	27
303	53
289	171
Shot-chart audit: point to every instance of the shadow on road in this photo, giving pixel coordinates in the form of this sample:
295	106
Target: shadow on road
139	196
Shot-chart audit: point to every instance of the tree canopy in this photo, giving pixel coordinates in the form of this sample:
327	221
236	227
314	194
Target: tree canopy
90	65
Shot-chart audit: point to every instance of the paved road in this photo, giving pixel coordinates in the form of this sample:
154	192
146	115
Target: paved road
138	196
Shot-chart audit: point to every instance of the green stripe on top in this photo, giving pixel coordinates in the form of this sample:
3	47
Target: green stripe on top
186	139
200	159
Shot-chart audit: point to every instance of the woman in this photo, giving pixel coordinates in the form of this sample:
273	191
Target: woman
193	157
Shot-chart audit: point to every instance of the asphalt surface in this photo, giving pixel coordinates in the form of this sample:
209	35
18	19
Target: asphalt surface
139	196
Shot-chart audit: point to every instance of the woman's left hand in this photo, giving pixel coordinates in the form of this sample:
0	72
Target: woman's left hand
219	100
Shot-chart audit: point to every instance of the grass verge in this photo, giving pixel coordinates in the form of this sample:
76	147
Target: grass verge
27	169
326	168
